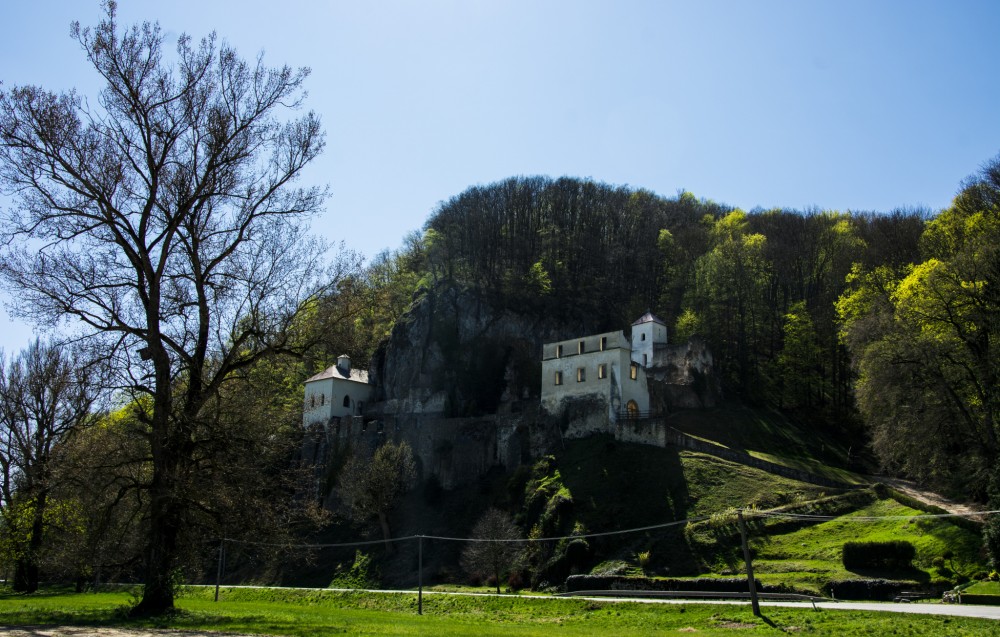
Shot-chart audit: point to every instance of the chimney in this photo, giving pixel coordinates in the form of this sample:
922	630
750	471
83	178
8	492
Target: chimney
344	364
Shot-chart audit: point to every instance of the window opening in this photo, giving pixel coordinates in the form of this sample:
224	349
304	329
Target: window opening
347	401
633	371
581	374
604	343
558	351
558	378
602	371
581	348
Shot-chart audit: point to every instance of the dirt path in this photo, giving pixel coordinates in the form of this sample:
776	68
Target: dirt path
927	497
77	631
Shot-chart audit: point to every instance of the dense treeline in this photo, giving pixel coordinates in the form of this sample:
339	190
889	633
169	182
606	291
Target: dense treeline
761	287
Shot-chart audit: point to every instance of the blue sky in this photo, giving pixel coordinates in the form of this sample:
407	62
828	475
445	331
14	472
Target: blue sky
847	105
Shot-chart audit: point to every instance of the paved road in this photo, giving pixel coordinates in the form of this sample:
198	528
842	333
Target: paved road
951	610
918	608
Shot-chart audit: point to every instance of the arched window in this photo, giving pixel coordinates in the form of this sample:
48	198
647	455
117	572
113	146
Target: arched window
347	401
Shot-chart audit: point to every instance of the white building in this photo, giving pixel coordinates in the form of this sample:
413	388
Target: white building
649	333
606	368
338	391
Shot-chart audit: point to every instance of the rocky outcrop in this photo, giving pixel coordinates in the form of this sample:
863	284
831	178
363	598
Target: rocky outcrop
683	376
456	354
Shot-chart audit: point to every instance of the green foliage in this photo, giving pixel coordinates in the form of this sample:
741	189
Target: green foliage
371	487
360	574
924	337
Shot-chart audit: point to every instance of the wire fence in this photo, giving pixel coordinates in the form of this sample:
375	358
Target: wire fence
731	515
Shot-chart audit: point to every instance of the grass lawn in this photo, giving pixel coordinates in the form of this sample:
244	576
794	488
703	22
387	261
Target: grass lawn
984	588
317	612
808	557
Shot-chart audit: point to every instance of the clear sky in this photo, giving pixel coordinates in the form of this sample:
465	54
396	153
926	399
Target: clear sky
836	105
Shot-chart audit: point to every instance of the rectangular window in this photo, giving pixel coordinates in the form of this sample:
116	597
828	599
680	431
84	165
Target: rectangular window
581	348
633	371
558	351
581	374
604	343
645	361
602	371
558	378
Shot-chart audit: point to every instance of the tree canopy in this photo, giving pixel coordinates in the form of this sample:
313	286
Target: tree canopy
162	221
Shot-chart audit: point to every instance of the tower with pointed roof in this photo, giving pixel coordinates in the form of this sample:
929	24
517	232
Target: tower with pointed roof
648	333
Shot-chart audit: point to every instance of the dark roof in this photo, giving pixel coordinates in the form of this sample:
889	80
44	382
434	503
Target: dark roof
649	317
356	375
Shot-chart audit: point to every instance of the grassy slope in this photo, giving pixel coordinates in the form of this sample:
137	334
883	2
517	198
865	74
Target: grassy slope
617	486
285	612
771	436
809	557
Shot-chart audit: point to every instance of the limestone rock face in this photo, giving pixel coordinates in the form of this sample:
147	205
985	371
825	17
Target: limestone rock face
455	354
683	376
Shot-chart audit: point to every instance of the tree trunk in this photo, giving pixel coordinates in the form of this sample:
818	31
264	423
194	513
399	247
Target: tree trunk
26	570
383	520
165	522
161	557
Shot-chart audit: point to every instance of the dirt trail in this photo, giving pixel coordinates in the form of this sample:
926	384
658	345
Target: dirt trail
93	631
927	497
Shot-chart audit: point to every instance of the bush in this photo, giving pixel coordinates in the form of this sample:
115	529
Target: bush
895	555
361	574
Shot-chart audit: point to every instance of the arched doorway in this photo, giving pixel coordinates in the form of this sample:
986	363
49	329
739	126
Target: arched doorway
632	408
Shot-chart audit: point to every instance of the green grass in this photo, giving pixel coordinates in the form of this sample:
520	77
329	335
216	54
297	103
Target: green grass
316	612
809	557
815	467
984	588
769	435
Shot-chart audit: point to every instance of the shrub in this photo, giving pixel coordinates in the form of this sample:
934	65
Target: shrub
644	558
897	554
361	574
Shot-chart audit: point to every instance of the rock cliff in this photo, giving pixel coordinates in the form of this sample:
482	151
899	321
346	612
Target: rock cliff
456	354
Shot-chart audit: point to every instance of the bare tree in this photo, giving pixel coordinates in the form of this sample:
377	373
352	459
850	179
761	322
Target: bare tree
45	394
372	487
165	221
495	548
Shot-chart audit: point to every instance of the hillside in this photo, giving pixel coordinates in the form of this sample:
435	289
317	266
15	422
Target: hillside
599	485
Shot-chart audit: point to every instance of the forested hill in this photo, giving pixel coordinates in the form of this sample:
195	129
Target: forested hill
884	320
761	286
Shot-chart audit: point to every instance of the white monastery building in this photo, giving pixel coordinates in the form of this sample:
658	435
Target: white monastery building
606	368
336	392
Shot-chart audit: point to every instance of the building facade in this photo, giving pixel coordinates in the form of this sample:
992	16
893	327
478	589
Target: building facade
337	392
597	368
